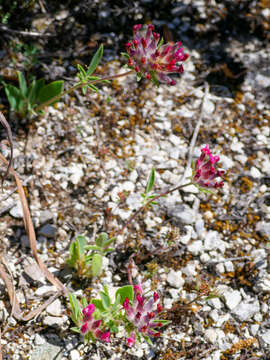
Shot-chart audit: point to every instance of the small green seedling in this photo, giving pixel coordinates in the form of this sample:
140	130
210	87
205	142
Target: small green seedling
87	260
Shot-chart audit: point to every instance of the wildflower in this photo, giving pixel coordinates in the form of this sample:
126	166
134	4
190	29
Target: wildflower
149	58
92	325
204	173
143	314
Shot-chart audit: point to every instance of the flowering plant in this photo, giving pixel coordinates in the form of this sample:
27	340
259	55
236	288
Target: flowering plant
130	309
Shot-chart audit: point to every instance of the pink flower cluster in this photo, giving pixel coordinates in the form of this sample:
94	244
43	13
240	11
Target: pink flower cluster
152	61
92	325
143	314
205	172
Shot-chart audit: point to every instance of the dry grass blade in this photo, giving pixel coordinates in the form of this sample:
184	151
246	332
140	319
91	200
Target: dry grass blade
4	122
16	311
31	232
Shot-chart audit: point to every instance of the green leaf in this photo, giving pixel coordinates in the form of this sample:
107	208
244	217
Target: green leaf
51	90
72	254
75	307
101	239
96	264
14	96
81	242
98	304
93	248
106	301
124	292
109	249
138	76
93	78
84	302
150	182
81	70
22	83
76	330
161	41
109	241
154	78
95	60
126	55
84	89
93	87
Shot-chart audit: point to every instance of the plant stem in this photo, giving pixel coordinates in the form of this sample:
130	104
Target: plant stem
132	217
77	86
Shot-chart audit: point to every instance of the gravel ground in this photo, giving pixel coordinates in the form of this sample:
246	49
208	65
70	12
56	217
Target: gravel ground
85	163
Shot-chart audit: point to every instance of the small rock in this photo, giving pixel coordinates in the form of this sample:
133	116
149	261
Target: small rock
263	227
25	241
76	173
16	211
34	272
46	351
45	290
229	266
196	247
54	321
246	310
209	107
227	163
45	216
54	308
47	230
255	173
254	329
232	298
266	336
39	340
182	213
213	241
74	355
175	279
186	238
211	335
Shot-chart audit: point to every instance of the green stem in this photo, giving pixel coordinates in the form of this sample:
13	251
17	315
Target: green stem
77	86
132	217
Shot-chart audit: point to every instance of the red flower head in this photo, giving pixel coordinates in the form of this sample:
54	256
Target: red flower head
205	173
151	59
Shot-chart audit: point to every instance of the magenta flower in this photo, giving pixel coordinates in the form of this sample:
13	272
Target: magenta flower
131	339
143	314
205	173
151	60
92	325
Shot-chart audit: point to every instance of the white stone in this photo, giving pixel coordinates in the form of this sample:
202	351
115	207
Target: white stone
215	302
39	340
204	258
266	336
74	355
54	308
246	310
237	147
16	211
196	247
214	315
76	173
209	106
213	241
175	279
229	266
254	329
211	335
45	290
255	173
232	298
186	238
227	163
54	321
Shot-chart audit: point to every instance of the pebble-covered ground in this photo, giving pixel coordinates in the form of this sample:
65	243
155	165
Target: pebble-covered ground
85	163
